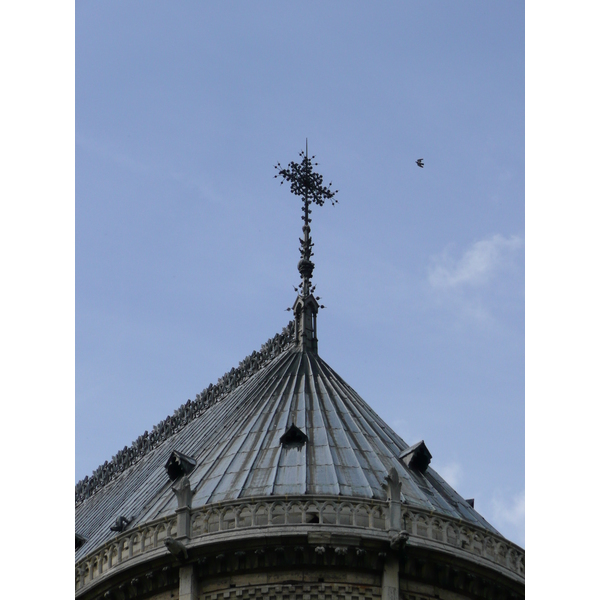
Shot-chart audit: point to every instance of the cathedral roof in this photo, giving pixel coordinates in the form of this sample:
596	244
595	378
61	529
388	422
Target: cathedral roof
283	424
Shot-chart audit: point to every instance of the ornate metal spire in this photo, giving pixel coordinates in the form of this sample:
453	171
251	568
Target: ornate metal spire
308	184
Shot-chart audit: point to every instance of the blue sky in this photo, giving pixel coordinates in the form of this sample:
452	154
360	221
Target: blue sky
186	247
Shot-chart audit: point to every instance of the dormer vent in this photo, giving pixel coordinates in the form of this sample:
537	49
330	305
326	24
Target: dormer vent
417	457
294	437
471	502
79	541
179	464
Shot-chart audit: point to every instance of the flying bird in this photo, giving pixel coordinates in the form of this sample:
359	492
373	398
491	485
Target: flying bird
420	162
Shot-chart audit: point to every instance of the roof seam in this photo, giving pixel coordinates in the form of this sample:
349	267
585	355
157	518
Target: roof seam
219	417
319	402
280	390
287	407
265	385
345	416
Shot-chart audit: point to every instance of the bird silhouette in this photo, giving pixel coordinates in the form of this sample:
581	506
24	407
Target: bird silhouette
420	162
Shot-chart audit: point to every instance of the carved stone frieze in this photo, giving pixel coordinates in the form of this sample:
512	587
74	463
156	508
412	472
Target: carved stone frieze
426	576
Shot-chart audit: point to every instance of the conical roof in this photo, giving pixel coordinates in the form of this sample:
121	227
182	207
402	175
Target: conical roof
293	427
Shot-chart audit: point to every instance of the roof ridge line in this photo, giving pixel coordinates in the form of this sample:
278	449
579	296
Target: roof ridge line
187	412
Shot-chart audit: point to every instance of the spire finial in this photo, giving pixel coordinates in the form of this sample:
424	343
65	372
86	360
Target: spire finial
308	184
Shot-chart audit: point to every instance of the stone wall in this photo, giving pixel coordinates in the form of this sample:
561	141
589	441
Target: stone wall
294	585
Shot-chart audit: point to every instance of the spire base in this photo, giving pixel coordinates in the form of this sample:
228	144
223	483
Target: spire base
305	313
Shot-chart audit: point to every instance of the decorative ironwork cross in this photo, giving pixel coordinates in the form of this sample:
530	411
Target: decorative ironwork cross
307	183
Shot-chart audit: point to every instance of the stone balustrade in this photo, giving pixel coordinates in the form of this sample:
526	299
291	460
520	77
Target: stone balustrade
301	510
305	514
123	548
433	527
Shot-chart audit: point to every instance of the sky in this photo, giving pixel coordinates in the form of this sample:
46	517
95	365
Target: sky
186	246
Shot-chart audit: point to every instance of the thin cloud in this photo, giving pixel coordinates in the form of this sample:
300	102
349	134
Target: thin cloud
135	165
452	473
405	431
198	184
510	511
476	266
110	153
507	513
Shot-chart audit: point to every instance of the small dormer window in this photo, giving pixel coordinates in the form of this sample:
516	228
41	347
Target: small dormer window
417	457
294	437
79	541
179	464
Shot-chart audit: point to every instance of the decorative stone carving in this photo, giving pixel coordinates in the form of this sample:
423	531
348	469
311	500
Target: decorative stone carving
399	541
176	548
241	559
340	555
120	524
